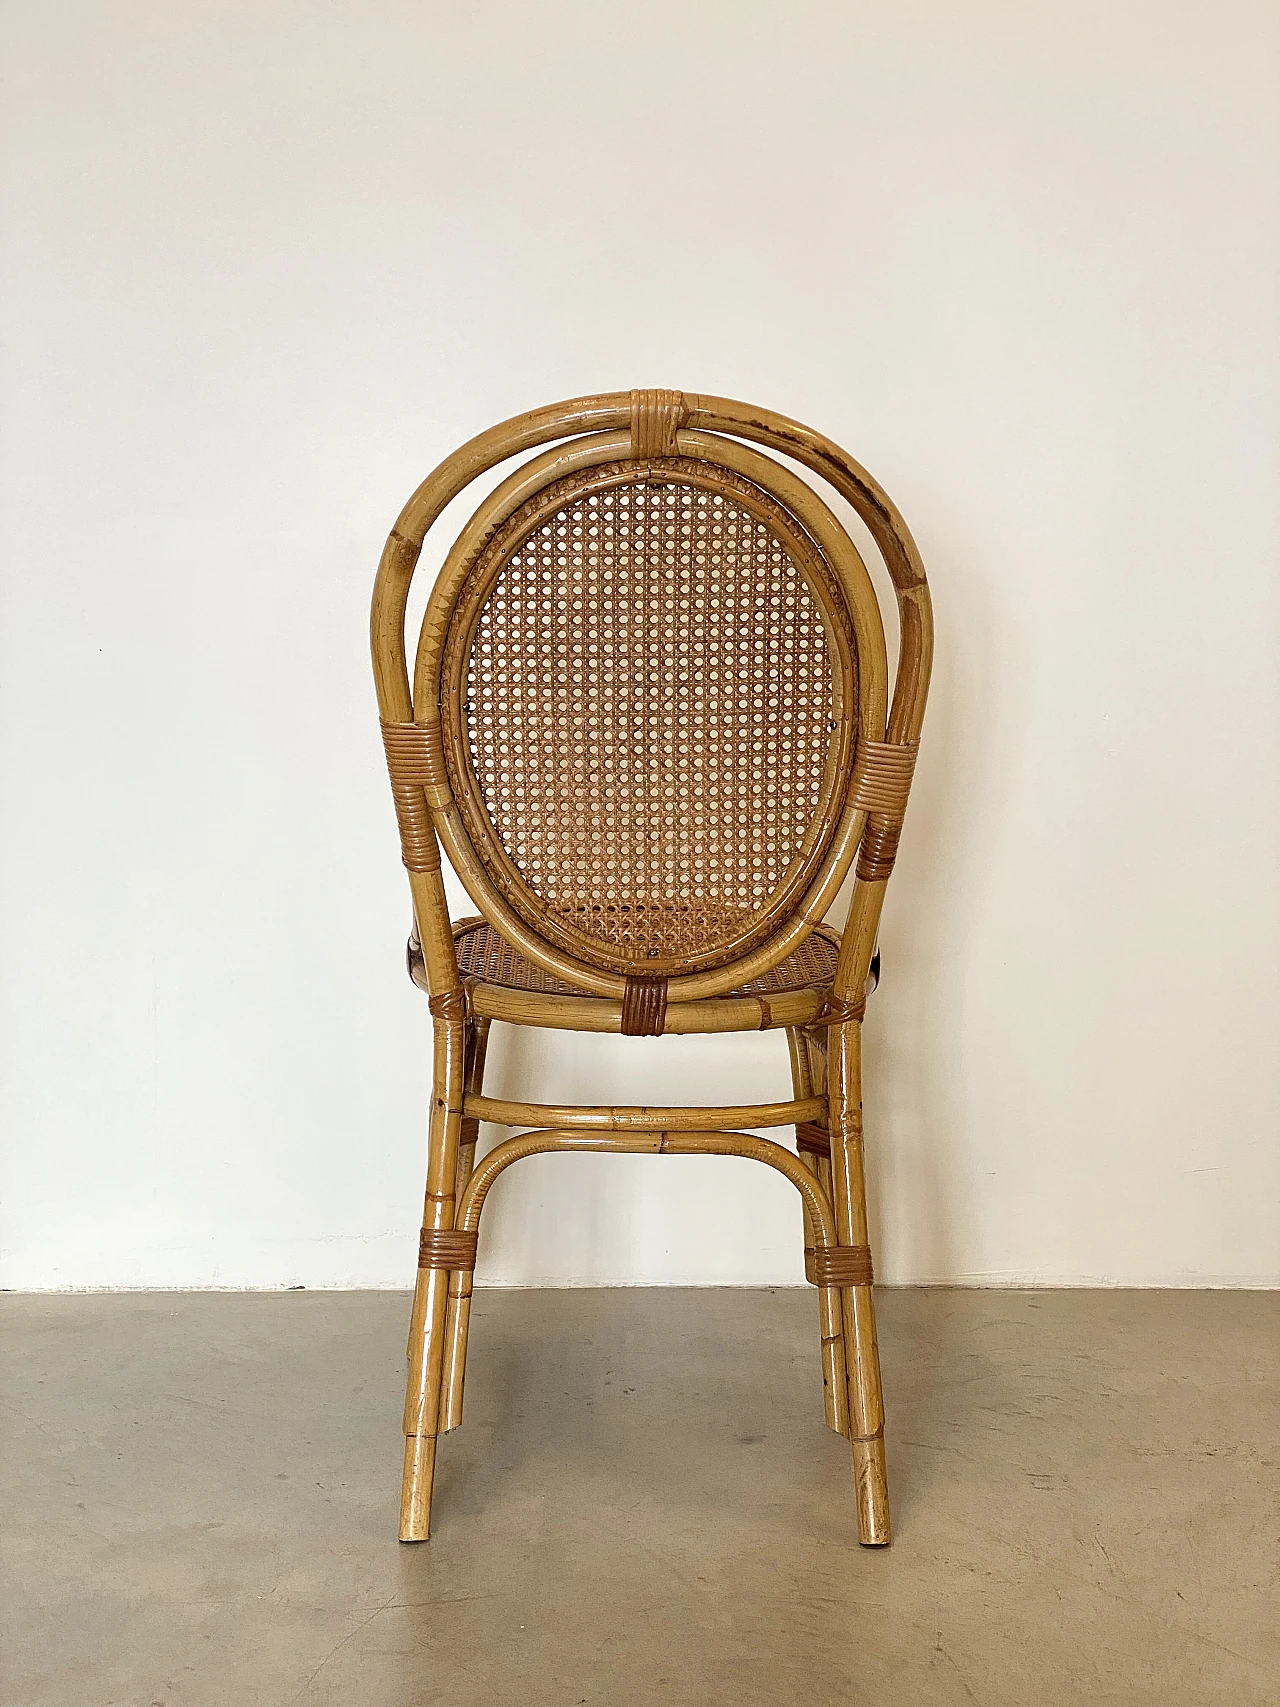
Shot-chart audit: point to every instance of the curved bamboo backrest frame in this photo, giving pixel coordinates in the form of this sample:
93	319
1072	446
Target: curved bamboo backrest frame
495	899
570	660
642	426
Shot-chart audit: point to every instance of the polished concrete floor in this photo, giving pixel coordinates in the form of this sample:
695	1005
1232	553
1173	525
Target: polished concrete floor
200	1500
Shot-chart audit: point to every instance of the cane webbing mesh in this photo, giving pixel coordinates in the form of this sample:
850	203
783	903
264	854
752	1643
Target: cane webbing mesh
648	707
485	955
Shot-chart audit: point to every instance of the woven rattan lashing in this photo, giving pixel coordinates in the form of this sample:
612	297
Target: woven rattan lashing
409	763
656	418
648	756
839	1265
882	778
813	1140
644	1007
446	1248
484	955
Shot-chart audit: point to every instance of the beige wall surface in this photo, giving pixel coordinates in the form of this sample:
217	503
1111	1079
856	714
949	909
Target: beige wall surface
266	263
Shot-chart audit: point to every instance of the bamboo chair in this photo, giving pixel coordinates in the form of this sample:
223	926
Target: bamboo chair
650	728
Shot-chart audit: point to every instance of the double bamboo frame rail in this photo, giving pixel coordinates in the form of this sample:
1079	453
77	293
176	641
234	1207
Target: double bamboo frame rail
664	442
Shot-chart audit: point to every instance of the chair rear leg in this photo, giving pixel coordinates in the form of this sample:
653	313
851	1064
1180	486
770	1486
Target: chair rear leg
835	1391
862	1355
469	1132
476	1046
426	1328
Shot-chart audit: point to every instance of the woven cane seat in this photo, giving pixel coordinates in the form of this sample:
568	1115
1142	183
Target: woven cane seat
489	957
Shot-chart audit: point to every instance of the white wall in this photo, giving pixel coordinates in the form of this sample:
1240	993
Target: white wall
267	262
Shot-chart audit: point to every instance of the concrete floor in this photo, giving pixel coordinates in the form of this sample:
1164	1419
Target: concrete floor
643	1505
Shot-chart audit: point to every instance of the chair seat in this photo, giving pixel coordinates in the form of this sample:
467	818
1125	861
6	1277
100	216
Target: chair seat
502	984
488	956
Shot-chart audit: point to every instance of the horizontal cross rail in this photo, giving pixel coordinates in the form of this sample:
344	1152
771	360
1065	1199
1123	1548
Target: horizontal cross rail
538	1114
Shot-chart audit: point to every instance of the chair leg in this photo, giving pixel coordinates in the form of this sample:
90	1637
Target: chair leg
477	1049
862	1355
474	1050
458	1314
426	1329
835	1390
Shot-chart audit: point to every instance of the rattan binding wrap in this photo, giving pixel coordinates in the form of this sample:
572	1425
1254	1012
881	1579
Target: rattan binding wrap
441	1247
415	761
656	418
882	777
878	850
881	784
644	1007
813	1140
838	1265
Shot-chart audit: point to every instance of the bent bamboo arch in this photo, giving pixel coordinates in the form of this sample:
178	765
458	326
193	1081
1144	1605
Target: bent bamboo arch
611	412
820	1222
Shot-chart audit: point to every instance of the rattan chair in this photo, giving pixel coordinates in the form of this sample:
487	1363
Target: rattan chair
650	727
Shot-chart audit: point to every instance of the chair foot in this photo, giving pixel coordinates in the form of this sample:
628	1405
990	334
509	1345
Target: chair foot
871	1489
457	1320
415	1491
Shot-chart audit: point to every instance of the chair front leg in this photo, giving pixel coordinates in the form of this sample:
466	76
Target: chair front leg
458	1315
435	1257
862	1355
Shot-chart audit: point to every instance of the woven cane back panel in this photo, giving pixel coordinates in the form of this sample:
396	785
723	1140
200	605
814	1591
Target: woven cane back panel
649	713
